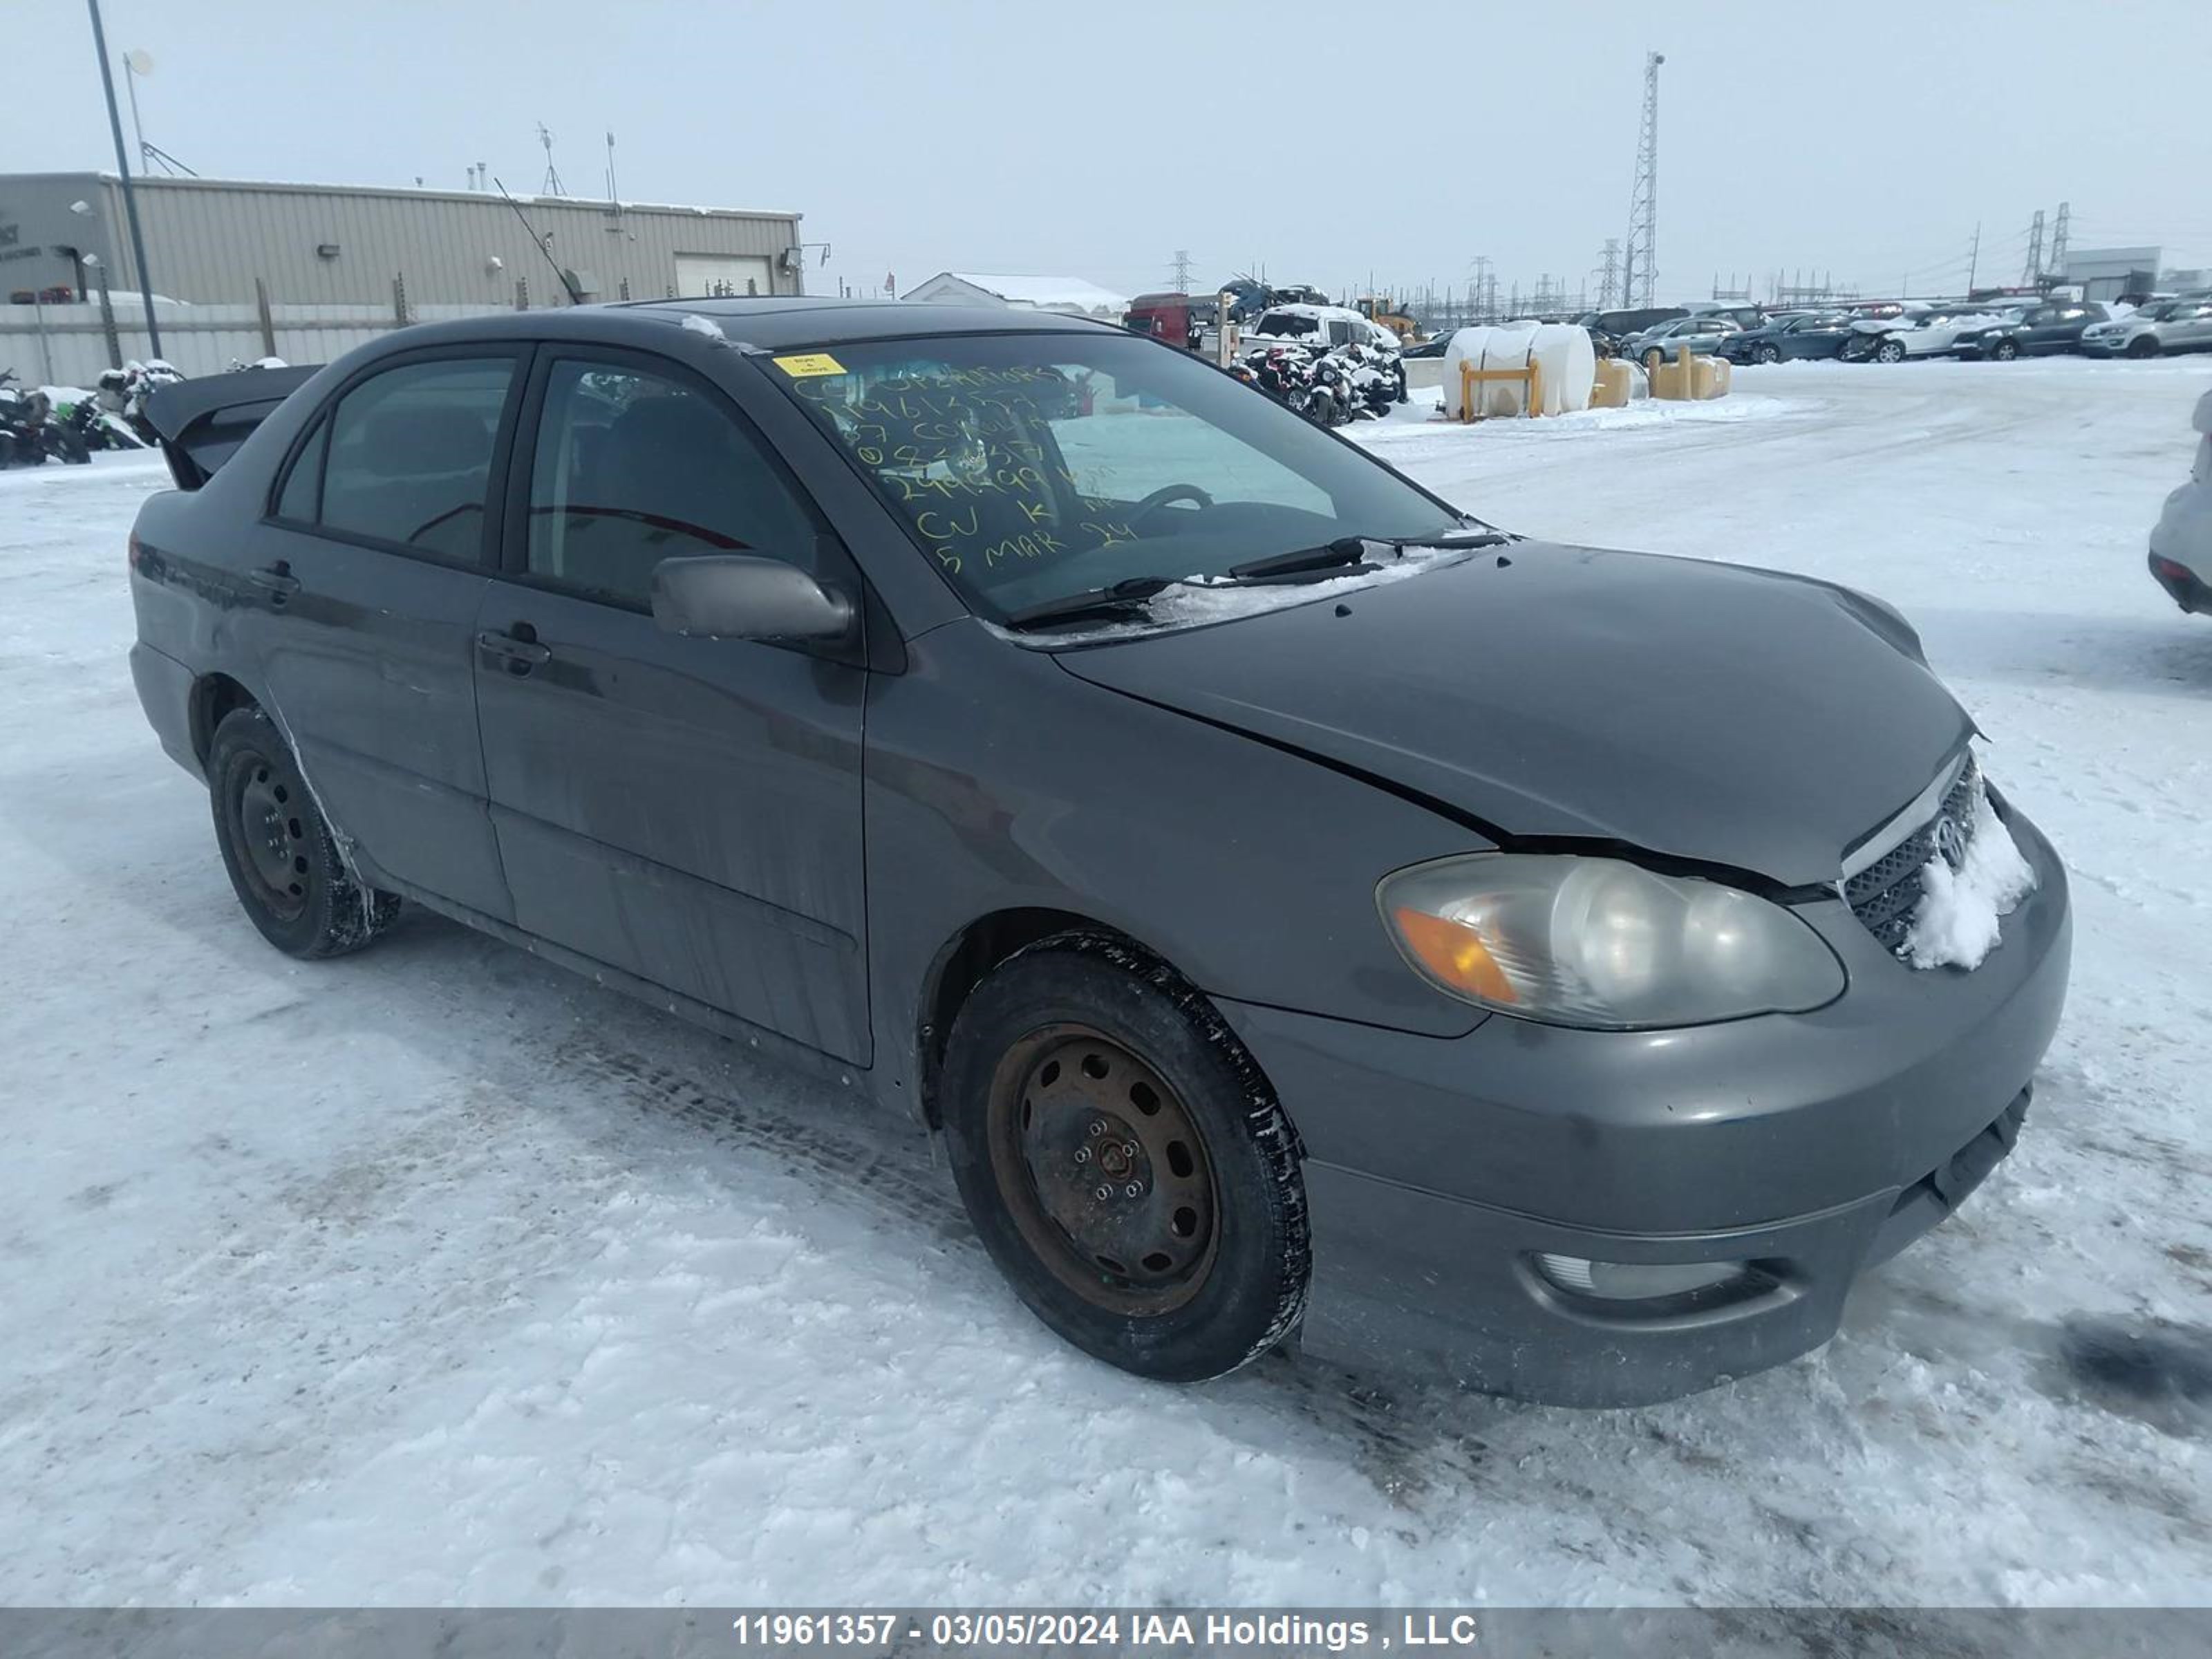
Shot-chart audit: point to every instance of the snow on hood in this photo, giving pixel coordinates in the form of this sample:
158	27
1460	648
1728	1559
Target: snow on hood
1201	600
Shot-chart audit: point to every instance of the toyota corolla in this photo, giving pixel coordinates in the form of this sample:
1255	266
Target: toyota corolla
1306	912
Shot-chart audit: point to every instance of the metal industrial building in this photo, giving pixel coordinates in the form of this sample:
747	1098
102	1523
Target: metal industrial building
209	241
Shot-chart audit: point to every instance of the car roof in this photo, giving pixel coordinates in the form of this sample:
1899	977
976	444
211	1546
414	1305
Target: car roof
769	322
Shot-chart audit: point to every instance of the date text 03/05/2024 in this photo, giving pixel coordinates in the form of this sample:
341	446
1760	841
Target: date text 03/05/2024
1210	1631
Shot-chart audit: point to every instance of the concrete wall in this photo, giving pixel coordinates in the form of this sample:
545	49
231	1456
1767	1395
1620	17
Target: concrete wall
209	240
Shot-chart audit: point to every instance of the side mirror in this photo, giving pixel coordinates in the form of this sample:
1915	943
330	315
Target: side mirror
735	596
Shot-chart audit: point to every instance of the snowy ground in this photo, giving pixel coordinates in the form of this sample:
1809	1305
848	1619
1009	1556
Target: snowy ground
437	1274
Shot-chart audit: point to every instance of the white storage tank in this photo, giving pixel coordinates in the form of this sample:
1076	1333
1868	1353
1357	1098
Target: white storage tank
1566	362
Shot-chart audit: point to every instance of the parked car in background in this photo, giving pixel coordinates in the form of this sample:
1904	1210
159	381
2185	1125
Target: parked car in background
1660	344
2181	545
1743	314
835	675
1319	328
1607	329
1927	333
2031	331
2166	326
1818	334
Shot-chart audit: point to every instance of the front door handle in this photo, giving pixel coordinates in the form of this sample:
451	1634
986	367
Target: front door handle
520	655
276	581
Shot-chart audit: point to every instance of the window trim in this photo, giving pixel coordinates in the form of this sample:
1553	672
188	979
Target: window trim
487	559
513	564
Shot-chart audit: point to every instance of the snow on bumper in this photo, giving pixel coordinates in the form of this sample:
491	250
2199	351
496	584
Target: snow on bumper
1811	1146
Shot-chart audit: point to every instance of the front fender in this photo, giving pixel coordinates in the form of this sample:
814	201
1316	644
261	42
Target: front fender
994	782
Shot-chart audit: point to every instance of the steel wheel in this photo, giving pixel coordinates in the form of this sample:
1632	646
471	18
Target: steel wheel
1103	1169
273	835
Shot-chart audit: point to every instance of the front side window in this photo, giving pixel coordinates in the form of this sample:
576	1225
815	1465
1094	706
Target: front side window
409	456
1030	467
632	467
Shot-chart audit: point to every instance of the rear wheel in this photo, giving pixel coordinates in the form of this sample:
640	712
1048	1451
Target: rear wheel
284	864
1125	1164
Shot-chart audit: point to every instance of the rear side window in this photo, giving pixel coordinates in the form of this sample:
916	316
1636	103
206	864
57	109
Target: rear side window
406	456
634	467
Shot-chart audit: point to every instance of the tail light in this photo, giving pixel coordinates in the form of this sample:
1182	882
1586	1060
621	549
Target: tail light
134	550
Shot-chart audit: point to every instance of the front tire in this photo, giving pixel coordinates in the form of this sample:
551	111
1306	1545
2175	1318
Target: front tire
1889	351
284	864
2005	350
1767	352
1125	1163
2144	345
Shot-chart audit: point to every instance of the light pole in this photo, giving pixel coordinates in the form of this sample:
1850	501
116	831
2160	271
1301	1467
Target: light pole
123	166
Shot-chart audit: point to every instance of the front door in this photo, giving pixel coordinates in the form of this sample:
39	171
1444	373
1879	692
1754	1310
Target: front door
686	809
364	582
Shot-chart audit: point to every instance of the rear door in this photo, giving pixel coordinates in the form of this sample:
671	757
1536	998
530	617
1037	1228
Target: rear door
685	809
363	590
2191	329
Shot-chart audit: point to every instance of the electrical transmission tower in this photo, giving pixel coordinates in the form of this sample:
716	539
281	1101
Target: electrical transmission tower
2034	272
1182	270
1641	285
2058	240
552	186
1609	275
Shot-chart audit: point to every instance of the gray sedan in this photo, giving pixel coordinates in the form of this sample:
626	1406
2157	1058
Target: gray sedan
1304	912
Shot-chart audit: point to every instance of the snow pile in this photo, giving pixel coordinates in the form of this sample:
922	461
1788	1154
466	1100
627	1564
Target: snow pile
1956	924
698	324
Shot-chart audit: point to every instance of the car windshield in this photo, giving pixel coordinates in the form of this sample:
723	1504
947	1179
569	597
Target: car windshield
1287	323
1033	467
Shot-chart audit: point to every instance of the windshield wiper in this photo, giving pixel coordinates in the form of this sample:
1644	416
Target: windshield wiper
1348	551
1345	550
1128	594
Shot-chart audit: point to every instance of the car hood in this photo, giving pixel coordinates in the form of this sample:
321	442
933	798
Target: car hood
1706	712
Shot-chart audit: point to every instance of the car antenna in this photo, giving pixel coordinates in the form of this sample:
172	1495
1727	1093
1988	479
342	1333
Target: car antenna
566	286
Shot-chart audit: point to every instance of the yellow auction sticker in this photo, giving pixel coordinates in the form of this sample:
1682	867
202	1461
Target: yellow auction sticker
810	362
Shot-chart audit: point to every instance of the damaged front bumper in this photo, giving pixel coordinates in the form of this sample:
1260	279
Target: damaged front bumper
1453	1184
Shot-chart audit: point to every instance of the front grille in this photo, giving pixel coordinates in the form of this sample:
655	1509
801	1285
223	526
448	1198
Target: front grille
1884	894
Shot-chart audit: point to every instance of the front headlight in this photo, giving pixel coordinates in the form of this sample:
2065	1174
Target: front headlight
1602	944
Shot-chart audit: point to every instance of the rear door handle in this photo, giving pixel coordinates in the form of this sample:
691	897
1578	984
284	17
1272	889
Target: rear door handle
519	655
276	581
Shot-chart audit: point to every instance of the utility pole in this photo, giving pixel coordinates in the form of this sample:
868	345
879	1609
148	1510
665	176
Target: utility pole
2058	240
1182	270
1642	263
1608	274
1974	259
2033	274
130	197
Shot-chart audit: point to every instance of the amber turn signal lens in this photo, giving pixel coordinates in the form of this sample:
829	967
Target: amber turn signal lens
1455	954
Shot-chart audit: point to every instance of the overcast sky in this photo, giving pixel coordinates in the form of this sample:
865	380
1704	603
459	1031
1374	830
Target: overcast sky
1324	142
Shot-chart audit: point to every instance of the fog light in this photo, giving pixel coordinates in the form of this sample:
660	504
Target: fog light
1636	1281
